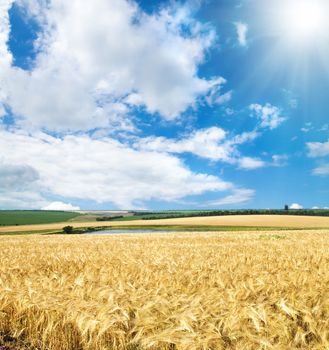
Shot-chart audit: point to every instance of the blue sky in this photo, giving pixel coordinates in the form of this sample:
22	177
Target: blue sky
164	105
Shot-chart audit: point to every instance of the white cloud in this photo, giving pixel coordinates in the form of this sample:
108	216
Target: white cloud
318	149
5	56
321	170
315	208
2	110
16	176
21	200
249	163
215	96
97	60
212	143
296	206
221	99
18	186
242	31
61	206
104	170
246	136
206	143
269	116
229	111
279	160
239	196
307	128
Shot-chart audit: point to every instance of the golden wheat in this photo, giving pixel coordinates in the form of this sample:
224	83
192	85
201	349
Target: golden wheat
245	290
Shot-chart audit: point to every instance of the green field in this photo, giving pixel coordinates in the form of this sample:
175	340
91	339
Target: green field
27	217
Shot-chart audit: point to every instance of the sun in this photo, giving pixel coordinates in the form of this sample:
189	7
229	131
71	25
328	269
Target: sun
305	18
303	21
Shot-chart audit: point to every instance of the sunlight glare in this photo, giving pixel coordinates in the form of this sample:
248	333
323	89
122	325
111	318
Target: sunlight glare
303	20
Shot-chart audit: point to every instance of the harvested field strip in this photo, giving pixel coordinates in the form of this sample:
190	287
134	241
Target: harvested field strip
242	290
243	220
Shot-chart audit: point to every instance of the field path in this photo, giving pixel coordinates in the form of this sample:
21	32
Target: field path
234	220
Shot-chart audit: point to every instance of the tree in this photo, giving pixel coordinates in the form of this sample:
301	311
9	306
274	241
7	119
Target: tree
68	229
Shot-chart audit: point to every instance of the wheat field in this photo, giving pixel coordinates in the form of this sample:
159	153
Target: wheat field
242	290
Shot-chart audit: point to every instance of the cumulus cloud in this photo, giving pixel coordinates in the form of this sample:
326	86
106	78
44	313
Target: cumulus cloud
18	186
318	149
269	116
242	31
16	176
206	143
98	60
95	64
214	144
105	170
21	200
211	143
61	206
249	163
6	57
296	206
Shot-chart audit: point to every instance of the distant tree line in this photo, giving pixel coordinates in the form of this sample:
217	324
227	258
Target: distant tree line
169	215
109	218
